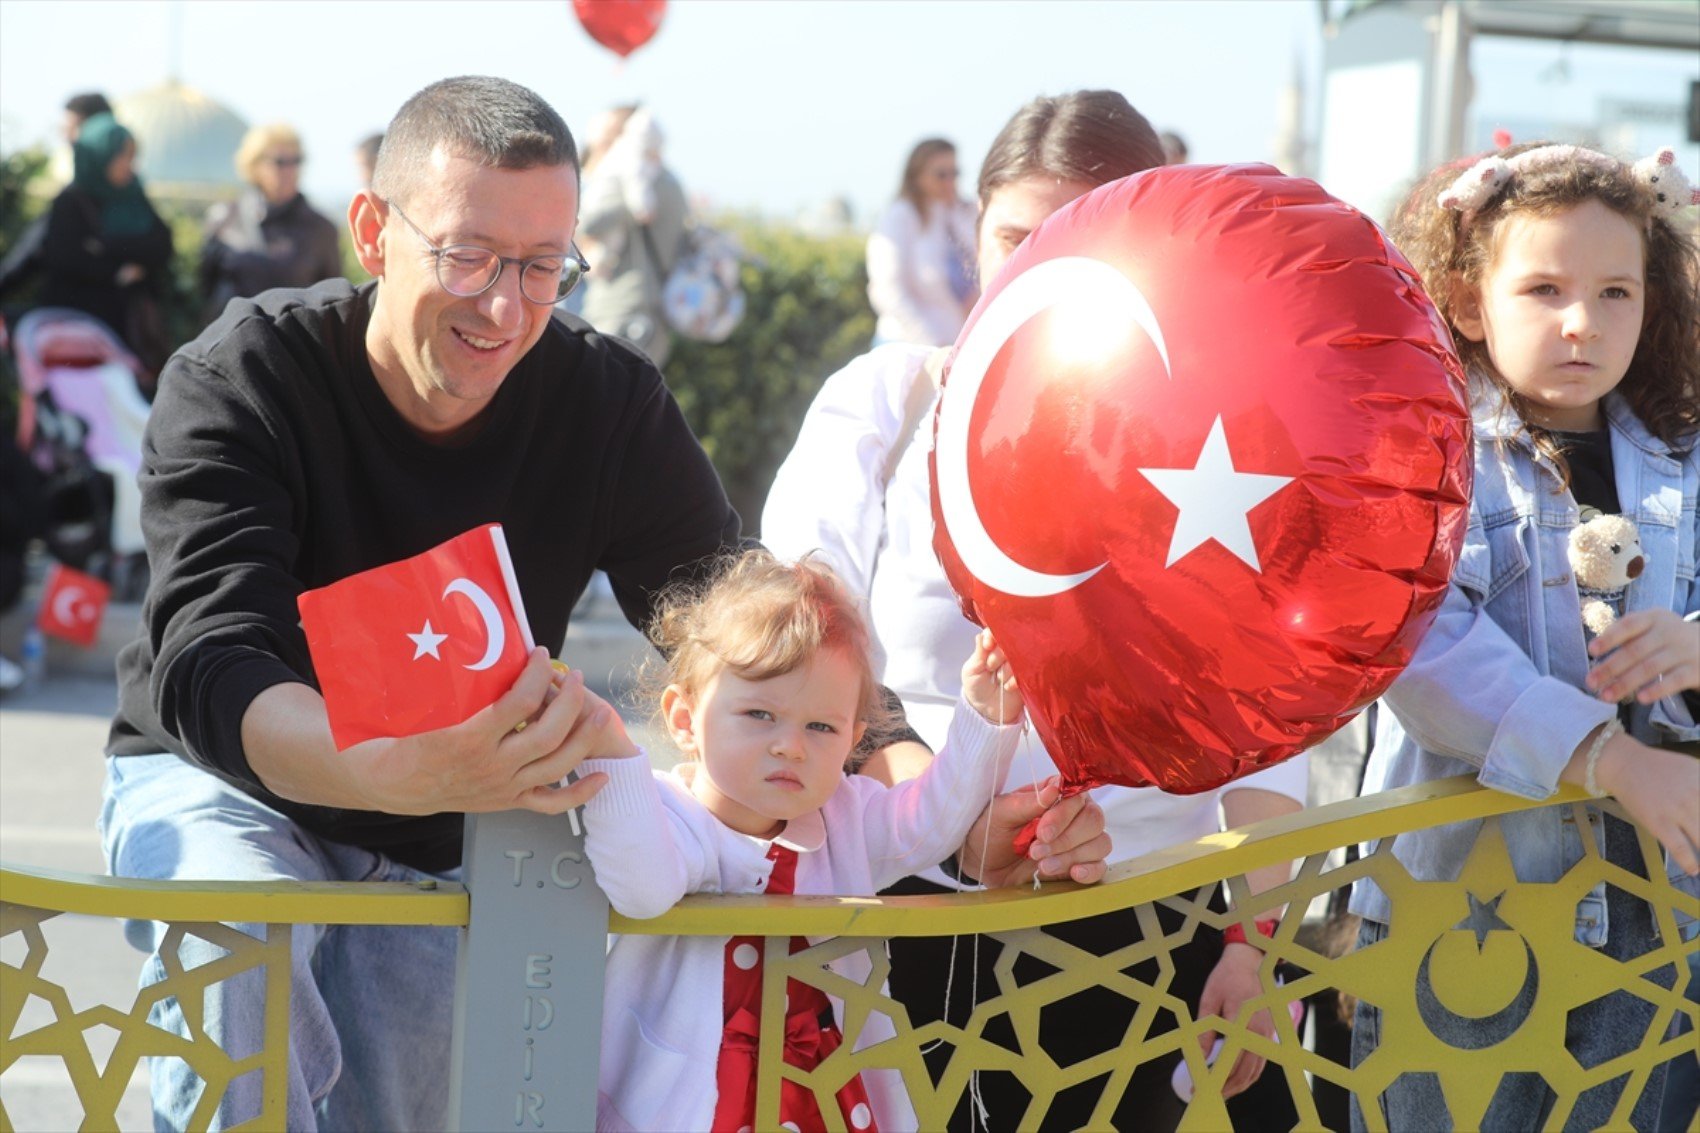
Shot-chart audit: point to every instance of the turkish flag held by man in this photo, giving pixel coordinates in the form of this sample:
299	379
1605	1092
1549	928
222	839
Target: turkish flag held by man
419	644
72	605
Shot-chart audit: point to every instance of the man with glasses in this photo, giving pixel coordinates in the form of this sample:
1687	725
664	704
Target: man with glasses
311	434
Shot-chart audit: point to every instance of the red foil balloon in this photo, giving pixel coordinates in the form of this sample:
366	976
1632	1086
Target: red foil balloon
622	26
1202	463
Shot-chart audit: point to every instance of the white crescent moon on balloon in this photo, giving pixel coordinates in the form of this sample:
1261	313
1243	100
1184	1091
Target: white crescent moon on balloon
495	635
1108	294
65	611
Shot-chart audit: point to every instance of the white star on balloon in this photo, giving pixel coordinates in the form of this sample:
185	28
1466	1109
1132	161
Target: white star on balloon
1214	499
425	641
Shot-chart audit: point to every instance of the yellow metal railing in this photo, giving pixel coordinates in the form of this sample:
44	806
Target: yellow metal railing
1472	975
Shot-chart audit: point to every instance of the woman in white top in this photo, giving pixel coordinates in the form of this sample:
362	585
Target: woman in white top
920	281
856	488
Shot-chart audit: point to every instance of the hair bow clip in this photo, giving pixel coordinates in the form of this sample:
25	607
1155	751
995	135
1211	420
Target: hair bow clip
1477	185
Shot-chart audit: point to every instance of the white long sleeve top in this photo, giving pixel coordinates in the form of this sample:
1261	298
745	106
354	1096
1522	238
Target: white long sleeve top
909	272
651	842
830	497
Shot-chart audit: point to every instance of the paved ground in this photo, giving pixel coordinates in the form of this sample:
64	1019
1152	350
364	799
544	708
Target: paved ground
51	768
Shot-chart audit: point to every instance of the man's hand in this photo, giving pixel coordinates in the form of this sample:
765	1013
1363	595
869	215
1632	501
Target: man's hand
1070	841
512	755
1232	982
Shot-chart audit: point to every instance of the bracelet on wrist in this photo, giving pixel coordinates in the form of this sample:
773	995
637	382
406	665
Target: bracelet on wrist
1591	762
1263	926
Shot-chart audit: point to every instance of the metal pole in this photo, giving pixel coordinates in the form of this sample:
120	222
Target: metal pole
1449	92
528	981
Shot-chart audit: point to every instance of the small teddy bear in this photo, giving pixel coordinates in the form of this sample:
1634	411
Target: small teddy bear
1605	555
1669	186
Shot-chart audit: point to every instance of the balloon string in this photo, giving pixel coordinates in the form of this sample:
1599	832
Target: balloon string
974	977
974	967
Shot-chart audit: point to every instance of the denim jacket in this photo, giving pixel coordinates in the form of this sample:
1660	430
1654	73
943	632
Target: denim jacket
1495	688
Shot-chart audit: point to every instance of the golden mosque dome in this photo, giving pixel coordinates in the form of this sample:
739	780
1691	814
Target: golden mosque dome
185	140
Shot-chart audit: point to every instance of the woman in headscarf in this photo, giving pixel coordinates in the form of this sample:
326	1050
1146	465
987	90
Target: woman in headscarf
270	236
107	251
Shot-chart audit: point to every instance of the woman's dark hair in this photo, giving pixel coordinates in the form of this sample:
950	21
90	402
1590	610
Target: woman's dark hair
88	104
912	190
368	149
1095	136
494	122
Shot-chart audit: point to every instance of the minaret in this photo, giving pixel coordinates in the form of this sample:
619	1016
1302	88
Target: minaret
1292	150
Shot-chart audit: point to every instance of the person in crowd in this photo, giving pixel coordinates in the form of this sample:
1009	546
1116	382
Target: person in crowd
366	158
106	251
769	689
22	508
22	263
79	108
856	488
920	278
633	221
1570	291
269	236
1174	148
311	434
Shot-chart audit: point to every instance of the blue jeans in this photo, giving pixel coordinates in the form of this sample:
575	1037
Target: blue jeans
371	1008
1682	1081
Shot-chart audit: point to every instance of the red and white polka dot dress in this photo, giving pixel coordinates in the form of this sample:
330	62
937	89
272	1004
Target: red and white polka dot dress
811	1034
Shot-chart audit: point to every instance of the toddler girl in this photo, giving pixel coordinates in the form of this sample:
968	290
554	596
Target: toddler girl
768	691
1568	279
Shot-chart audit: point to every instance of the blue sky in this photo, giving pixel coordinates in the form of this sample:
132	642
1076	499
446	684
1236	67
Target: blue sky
767	104
774	105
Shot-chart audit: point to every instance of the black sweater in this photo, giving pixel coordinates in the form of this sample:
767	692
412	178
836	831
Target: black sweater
273	464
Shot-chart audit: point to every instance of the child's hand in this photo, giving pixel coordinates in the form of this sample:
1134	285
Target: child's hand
1649	654
988	684
1661	791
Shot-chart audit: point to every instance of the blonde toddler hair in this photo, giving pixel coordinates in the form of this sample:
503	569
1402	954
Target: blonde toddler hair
761	618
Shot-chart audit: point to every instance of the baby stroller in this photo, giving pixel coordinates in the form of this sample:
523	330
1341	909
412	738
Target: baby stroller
80	420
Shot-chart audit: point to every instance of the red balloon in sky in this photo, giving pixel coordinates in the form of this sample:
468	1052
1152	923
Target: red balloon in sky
622	26
1202	463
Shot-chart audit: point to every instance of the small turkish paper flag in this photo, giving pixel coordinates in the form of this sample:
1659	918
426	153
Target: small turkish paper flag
419	644
72	605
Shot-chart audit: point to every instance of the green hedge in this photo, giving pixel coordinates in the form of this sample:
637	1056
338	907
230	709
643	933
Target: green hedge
807	316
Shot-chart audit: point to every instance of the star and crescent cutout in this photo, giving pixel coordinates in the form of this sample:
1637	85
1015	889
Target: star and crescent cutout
1483	919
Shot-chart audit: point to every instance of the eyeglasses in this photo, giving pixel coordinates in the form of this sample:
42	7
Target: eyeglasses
945	174
286	161
467	270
